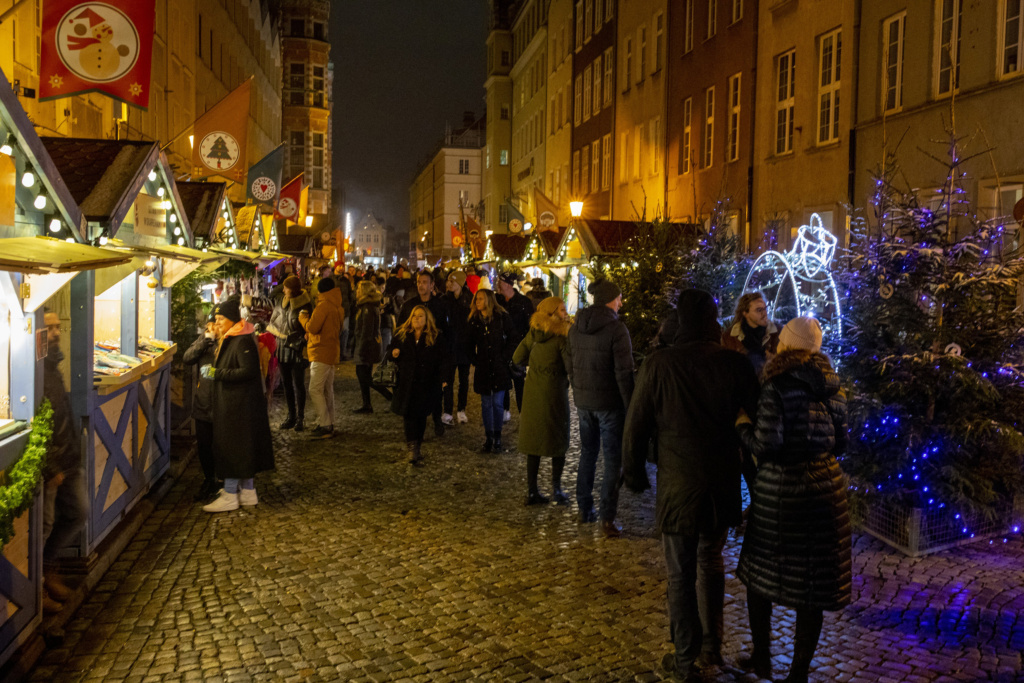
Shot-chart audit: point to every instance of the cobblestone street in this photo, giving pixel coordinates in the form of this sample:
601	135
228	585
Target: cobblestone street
355	567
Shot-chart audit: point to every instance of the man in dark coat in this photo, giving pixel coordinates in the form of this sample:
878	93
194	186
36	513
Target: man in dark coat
242	444
344	284
458	300
425	296
687	398
602	384
203	352
520	308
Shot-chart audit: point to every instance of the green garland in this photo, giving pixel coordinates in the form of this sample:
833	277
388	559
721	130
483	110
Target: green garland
22	478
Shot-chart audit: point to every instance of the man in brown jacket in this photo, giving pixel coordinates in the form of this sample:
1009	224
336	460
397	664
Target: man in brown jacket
323	332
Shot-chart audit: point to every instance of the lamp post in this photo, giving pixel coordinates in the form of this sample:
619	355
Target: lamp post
575	210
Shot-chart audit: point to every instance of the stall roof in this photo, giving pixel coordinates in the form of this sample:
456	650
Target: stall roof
240	254
49	255
509	247
17	122
551	240
202	204
294	245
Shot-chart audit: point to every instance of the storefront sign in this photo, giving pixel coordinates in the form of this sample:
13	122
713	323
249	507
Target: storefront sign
150	216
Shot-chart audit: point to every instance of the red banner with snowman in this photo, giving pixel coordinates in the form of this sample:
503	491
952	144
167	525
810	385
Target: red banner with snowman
104	47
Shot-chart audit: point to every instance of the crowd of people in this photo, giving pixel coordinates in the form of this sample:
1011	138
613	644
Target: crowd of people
708	407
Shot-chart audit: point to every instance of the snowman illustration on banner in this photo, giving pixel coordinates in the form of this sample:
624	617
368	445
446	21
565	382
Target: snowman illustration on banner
799	282
97	42
288	208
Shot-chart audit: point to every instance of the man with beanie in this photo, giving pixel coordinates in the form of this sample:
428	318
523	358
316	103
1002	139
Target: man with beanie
602	384
457	300
519	308
687	398
323	331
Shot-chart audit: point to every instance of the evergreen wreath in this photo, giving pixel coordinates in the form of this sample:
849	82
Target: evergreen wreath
23	477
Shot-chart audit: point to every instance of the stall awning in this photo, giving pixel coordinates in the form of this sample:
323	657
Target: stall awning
273	256
49	255
238	254
178	261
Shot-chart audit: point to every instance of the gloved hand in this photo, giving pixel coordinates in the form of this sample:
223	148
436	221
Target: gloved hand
207	371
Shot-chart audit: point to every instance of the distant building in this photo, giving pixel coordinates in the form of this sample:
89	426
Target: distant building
451	176
529	103
558	147
496	181
369	240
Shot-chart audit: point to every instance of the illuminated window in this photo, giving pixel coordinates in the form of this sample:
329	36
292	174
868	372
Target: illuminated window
829	53
734	118
684	161
948	76
1013	36
893	31
784	101
709	127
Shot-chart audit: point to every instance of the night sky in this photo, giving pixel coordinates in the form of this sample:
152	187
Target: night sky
402	70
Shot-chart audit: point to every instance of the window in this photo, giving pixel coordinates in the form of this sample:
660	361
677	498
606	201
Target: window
503	214
595	167
712	18
503	157
609	65
948	77
737	10
553	112
893	30
587	74
1013	36
576	173
579	24
296	153
641	53
688	27
659	41
506	58
598	15
597	85
298	28
588	20
627	65
733	151
606	162
684	162
829	52
609	7
623	156
709	127
505	113
998	200
318	30
638	143
487	156
784	101
585	170
463	166
317	165
318	86
463	197
577	106
565	180
654	138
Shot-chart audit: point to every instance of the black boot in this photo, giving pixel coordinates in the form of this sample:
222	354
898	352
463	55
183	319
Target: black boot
808	631
415	456
288	424
533	496
557	494
367	409
760	660
299	426
496	446
488	444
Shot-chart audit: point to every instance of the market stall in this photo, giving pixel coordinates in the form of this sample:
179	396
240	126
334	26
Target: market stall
120	319
541	250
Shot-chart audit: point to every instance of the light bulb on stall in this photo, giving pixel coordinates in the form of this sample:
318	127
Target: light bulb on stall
6	149
152	176
40	202
174	218
70	240
103	240
29	179
160	192
55	225
181	241
177	230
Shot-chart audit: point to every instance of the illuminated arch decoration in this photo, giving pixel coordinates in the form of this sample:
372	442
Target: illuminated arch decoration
799	282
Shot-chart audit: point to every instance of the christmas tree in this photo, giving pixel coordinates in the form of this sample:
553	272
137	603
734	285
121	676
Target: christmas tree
932	350
219	150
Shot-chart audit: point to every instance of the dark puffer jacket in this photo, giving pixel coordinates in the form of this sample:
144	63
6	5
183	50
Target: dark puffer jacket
796	550
602	360
490	344
367	334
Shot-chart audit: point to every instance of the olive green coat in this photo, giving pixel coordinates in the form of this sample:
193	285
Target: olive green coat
544	420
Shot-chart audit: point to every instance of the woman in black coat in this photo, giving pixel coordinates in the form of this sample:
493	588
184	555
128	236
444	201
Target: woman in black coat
203	352
490	341
367	342
796	550
291	343
422	363
242	444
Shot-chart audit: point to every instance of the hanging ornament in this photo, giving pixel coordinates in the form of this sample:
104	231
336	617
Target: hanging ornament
658	267
886	290
953	349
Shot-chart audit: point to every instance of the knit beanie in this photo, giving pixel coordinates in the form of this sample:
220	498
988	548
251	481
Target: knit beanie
325	285
459	277
604	292
292	284
230	309
801	334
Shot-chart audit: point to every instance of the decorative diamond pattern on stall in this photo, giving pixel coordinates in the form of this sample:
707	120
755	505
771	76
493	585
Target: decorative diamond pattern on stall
115	452
15	561
154	444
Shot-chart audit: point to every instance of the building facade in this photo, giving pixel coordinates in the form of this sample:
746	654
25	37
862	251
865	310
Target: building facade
306	101
529	101
451	177
593	115
497	175
807	65
710	104
922	68
369	240
638	184
558	145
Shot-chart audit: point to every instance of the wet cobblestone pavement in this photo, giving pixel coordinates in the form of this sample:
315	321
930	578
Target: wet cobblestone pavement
355	567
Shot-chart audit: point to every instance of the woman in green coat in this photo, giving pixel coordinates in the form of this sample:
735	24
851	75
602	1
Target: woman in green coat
544	421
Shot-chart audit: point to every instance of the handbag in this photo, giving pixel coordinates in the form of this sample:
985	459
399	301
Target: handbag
385	375
516	371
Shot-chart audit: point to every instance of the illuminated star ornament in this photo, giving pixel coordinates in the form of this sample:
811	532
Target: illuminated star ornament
798	282
135	89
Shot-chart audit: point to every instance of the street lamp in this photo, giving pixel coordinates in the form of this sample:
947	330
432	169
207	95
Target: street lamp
576	209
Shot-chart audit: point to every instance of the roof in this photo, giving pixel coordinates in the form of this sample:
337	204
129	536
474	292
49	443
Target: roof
509	247
603	237
201	203
51	255
99	195
550	239
295	245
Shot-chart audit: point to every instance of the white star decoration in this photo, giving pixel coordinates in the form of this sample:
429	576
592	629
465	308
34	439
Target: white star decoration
135	89
56	81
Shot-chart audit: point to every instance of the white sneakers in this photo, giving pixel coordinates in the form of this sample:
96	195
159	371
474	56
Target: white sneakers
462	417
447	419
508	415
226	502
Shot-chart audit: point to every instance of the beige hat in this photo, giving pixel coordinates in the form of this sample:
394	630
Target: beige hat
801	334
459	277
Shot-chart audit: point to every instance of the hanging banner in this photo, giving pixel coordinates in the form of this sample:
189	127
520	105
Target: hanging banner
104	47
288	202
264	182
221	136
547	212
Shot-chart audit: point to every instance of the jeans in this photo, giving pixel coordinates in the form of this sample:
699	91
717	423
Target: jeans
65	512
231	485
204	449
597	428
321	392
449	391
293	375
492	406
344	337
696	594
